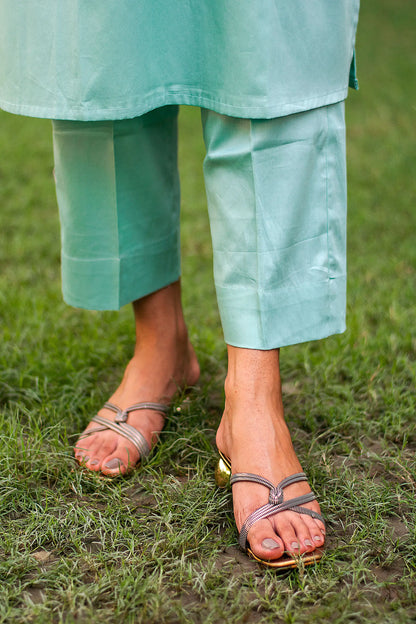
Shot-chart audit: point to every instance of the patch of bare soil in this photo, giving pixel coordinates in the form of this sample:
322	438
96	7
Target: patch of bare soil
399	530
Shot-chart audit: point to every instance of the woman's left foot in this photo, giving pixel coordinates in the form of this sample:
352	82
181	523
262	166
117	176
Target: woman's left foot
255	437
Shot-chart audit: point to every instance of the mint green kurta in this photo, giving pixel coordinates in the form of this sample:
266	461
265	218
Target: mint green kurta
115	59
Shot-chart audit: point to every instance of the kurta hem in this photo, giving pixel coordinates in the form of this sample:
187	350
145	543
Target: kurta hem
174	96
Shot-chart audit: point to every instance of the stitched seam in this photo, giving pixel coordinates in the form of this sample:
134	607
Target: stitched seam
115	209
260	315
195	97
327	207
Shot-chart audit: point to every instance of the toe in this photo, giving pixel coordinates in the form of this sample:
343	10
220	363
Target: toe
294	533
305	539
100	445
290	537
113	466
264	542
120	460
316	530
83	446
81	449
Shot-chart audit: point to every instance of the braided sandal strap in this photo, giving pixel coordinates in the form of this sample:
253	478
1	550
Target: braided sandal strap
128	432
121	427
276	503
122	415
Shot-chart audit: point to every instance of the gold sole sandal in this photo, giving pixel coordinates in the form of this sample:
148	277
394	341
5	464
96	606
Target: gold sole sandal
275	505
121	426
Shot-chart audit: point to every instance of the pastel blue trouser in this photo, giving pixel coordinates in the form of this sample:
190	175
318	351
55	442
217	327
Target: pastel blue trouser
276	192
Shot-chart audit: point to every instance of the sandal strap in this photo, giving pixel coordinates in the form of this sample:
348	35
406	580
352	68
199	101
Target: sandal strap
128	432
122	415
249	476
276	503
121	427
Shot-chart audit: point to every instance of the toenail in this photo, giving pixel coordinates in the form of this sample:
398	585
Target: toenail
294	546
94	462
114	463
308	543
269	543
317	538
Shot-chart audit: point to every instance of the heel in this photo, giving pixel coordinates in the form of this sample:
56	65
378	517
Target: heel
222	471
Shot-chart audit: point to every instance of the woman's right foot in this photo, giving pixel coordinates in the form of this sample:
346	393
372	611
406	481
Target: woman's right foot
164	363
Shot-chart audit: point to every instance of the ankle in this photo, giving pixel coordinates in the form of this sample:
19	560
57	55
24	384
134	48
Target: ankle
159	316
264	397
253	411
170	359
252	370
170	339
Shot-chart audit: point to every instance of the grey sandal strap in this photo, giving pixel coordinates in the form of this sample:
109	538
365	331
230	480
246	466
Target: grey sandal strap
248	476
122	415
128	432
308	512
276	503
121	427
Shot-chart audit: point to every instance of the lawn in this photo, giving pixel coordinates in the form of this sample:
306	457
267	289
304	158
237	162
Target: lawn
160	545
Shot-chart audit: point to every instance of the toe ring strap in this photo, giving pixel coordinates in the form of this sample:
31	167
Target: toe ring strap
276	503
294	504
128	432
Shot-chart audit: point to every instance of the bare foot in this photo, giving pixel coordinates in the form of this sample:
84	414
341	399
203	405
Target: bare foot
164	363
254	435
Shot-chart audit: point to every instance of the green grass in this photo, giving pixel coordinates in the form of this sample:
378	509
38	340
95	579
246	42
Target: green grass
160	546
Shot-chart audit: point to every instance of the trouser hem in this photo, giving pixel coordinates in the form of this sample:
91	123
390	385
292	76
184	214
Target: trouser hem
110	283
315	313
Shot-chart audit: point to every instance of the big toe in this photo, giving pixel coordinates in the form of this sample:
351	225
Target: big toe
264	542
113	465
123	458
